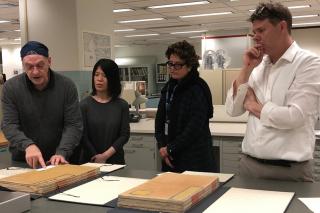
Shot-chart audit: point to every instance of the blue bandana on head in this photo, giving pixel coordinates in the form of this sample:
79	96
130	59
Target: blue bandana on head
34	48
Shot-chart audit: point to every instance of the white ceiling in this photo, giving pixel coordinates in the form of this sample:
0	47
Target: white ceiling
171	22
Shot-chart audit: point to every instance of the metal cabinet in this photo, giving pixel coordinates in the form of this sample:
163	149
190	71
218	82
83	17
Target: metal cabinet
141	153
316	155
230	153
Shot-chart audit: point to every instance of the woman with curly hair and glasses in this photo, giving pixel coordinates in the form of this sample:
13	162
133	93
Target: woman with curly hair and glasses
182	122
105	116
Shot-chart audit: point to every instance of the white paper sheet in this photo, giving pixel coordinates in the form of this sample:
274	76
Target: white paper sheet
10	171
313	203
251	201
46	168
222	176
105	167
99	191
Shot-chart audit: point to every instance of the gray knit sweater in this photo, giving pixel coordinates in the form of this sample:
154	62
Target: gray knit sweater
50	118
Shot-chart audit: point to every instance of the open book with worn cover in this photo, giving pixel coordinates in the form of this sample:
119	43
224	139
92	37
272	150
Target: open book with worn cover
169	192
48	180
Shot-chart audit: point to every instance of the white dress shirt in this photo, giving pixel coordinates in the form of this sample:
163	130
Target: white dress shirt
289	91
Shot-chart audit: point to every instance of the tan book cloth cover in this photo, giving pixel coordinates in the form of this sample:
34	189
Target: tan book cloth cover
3	141
169	192
44	181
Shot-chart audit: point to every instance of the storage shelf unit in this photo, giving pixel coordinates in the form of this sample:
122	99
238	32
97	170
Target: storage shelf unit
139	73
162	75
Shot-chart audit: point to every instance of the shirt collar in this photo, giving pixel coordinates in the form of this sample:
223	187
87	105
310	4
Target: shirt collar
288	55
290	52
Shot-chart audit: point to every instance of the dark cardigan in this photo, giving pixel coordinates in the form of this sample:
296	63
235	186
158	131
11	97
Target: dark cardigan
189	141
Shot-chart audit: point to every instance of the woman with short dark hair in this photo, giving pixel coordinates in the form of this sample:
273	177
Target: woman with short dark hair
105	116
182	121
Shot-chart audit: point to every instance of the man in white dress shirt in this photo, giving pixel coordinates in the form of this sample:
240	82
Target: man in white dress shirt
279	84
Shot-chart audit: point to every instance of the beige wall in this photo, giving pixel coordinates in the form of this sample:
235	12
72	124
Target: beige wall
308	39
54	24
60	24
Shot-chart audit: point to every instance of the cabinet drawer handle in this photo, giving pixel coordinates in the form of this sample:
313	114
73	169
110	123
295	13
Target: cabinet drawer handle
137	138
129	151
137	145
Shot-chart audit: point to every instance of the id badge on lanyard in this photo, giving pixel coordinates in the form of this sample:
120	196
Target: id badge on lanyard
166	128
168	103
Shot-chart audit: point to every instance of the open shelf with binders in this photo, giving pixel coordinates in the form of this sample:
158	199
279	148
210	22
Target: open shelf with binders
142	73
162	75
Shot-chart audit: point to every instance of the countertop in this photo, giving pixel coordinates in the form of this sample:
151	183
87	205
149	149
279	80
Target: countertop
146	126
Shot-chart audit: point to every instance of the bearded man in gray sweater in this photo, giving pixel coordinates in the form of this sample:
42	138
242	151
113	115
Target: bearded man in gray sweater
41	114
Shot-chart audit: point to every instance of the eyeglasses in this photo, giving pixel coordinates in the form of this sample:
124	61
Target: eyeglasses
30	67
176	66
267	13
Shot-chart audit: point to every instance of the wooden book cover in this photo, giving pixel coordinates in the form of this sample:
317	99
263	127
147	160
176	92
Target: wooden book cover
3	141
169	192
44	181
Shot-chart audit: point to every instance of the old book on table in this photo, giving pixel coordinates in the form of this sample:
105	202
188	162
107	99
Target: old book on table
169	192
3	141
223	177
44	181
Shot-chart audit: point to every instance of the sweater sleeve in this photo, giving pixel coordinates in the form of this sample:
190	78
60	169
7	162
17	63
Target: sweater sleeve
195	125
87	144
160	122
73	126
124	133
10	122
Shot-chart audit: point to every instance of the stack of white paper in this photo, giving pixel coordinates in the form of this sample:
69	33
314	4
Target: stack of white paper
313	203
99	191
105	167
251	201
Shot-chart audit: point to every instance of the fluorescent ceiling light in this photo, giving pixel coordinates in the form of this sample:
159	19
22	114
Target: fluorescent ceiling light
4	21
140	20
122	10
120	45
306	16
298	7
17	39
6	5
195	37
306	23
291	7
179	4
162	39
194	31
124	30
206	14
141	35
17	30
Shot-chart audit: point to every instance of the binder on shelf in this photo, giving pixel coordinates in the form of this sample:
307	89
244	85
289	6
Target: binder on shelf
162	73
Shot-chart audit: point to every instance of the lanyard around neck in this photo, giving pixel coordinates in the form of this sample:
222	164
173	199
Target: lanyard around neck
169	100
